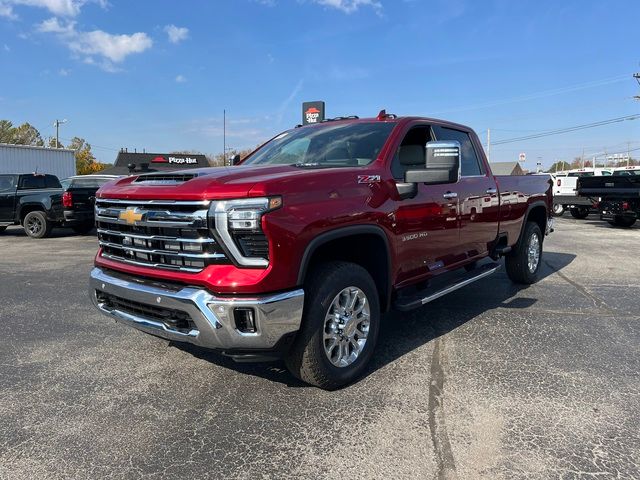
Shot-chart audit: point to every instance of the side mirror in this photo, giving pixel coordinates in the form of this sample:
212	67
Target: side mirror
442	164
234	160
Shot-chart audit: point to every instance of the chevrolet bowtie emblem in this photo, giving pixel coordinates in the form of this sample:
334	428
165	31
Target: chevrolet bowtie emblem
130	216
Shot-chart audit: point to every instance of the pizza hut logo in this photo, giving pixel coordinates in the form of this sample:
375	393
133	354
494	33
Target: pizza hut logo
312	114
175	160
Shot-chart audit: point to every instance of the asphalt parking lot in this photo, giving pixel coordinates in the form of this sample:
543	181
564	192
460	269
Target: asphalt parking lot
492	381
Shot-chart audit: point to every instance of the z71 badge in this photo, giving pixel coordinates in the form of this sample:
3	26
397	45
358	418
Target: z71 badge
368	178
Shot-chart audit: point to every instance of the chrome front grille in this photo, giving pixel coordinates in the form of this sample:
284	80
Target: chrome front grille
158	233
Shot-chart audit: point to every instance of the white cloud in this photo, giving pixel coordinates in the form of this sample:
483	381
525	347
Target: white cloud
350	6
63	72
62	8
176	34
110	47
7	11
181	79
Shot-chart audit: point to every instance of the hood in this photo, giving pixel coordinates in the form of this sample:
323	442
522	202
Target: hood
214	183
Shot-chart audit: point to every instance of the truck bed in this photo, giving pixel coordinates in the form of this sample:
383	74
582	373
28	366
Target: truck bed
610	187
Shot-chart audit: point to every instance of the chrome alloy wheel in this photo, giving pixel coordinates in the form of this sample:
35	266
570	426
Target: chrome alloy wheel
533	253
346	327
34	225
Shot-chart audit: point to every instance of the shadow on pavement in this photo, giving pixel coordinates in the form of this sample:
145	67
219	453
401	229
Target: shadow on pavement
60	232
401	333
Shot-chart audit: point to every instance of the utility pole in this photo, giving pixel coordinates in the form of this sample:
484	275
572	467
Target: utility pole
628	152
57	124
637	77
582	158
489	144
224	137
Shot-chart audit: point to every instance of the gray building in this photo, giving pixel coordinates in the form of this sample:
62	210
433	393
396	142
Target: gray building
25	159
506	168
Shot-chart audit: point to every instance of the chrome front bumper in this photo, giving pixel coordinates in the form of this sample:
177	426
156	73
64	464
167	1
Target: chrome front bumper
212	317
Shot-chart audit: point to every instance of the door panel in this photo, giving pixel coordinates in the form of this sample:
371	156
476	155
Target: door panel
426	229
479	210
7	197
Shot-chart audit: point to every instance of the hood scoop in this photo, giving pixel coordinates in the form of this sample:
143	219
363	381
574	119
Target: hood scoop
166	178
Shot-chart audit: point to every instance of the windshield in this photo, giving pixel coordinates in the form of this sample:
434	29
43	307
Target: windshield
340	145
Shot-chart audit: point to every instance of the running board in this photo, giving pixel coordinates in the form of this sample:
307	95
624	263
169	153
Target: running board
428	295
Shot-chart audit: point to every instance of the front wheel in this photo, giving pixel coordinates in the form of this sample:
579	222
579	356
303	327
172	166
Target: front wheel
557	210
339	326
524	261
36	224
579	212
620	221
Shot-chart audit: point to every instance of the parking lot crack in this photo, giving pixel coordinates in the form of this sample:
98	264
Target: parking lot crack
597	301
437	425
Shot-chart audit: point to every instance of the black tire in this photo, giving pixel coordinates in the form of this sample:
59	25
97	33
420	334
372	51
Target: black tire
624	222
557	210
517	260
83	228
579	212
36	224
2	229
307	359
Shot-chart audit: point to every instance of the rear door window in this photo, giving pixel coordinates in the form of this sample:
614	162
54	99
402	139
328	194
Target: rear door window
52	181
7	183
470	165
32	182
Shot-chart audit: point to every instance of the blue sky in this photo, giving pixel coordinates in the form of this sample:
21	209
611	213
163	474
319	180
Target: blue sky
157	74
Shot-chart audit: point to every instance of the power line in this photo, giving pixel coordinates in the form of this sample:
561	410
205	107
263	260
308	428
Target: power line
567	129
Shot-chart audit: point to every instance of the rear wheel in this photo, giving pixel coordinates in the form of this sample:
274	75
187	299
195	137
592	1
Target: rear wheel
339	326
579	212
620	221
558	210
83	228
36	225
524	261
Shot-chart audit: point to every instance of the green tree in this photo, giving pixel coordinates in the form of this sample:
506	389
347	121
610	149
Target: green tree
27	134
6	131
51	143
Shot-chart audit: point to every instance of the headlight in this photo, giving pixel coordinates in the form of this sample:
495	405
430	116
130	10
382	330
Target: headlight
237	225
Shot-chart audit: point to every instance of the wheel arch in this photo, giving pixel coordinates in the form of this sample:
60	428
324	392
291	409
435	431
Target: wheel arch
536	212
358	244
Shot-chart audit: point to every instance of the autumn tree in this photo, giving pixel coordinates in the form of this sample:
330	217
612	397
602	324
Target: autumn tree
86	162
217	160
559	166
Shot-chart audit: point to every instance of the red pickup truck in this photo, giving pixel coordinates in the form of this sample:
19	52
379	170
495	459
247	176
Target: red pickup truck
299	249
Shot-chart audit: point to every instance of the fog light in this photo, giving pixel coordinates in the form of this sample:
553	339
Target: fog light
245	319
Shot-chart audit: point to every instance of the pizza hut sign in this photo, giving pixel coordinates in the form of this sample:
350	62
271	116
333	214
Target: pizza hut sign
175	160
312	112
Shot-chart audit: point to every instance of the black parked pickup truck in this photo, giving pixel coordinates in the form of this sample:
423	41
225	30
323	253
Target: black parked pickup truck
35	201
78	200
618	197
